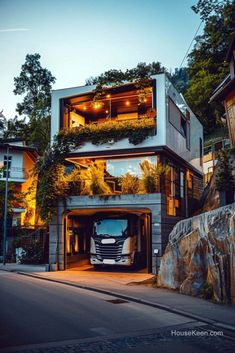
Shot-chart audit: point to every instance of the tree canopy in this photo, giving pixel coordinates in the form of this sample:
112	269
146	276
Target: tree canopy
180	79
114	77
206	66
35	83
15	199
13	128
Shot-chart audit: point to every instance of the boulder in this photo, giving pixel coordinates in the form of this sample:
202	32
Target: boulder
199	258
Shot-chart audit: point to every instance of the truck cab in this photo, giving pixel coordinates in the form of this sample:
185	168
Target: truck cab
114	241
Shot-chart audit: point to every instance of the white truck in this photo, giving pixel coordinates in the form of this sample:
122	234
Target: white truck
115	241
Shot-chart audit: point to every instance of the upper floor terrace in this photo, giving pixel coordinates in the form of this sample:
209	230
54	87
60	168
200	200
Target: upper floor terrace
128	117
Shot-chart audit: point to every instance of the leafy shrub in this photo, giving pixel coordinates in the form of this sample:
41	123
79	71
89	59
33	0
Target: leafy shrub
130	184
136	130
92	180
33	254
151	173
225	180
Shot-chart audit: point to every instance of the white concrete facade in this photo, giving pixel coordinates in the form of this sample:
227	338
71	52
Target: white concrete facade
166	135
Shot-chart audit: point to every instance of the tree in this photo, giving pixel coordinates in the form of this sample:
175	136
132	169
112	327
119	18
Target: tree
180	79
13	128
225	179
206	61
35	83
206	7
15	200
118	77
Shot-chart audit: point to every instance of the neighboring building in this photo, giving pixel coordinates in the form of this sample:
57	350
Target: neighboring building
176	139
21	160
226	91
212	145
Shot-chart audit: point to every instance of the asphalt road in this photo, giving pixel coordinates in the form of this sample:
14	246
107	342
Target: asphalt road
37	316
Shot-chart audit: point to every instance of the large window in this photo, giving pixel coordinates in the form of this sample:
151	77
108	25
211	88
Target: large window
119	103
119	167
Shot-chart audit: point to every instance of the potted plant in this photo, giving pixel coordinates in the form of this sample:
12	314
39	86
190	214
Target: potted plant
92	180
151	174
130	184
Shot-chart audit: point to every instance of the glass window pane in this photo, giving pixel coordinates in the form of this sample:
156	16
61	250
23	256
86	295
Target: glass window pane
120	167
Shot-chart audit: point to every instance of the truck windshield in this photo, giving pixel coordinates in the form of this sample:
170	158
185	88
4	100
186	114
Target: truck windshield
111	227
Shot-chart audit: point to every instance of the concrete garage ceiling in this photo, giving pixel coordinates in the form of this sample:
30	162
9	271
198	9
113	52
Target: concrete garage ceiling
114	211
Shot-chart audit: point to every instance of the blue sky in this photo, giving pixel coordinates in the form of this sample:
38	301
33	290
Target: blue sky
78	39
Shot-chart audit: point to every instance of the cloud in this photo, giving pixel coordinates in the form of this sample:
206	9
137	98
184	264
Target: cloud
13	30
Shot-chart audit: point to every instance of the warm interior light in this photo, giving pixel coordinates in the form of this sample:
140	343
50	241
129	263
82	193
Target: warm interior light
127	103
97	105
108	96
106	111
84	108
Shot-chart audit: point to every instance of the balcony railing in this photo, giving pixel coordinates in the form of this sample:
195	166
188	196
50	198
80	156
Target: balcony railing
15	173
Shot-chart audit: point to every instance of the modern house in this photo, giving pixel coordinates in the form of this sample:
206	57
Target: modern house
226	91
21	159
127	126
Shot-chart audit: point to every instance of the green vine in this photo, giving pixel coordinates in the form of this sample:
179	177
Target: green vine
136	130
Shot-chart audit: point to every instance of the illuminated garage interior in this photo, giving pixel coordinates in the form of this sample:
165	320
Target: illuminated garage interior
83	244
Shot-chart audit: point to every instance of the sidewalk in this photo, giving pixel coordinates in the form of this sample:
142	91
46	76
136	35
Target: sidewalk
127	285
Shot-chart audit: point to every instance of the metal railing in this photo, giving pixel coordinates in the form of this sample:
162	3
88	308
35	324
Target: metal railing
14	173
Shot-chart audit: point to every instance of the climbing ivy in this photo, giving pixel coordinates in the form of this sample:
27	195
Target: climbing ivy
135	130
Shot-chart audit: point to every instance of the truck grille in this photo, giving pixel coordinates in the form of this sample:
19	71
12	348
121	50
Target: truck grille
109	251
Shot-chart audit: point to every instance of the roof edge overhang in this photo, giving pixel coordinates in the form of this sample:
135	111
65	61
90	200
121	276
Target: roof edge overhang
223	90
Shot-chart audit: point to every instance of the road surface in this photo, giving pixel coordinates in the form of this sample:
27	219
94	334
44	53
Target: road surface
41	316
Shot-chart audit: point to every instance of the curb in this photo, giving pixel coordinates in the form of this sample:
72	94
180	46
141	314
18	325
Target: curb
136	300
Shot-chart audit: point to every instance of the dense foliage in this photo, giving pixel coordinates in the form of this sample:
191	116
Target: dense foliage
206	66
34	83
130	184
14	127
138	75
180	79
151	174
135	130
225	180
15	199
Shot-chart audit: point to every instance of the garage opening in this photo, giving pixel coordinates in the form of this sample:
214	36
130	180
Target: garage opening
114	239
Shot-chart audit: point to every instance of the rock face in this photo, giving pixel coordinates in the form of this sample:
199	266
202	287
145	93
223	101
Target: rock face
199	259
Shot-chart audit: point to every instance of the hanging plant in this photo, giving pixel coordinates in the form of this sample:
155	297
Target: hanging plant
136	130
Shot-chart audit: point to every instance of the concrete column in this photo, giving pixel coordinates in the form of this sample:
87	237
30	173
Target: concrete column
56	242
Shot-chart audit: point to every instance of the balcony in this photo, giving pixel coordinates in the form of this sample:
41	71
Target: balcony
103	118
110	131
15	174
